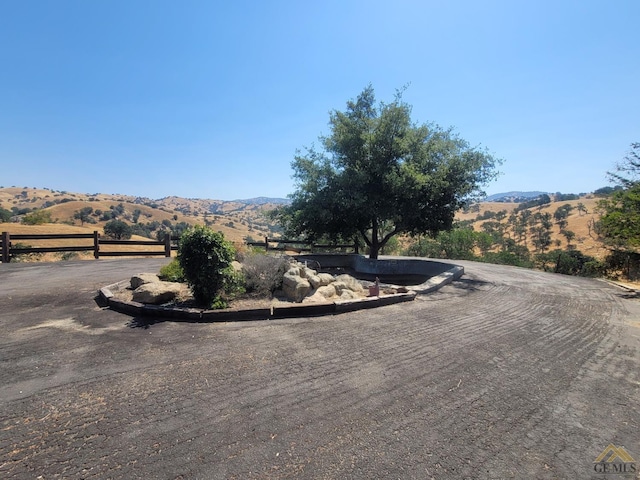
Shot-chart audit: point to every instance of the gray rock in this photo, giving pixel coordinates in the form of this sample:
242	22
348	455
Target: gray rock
142	279
314	280
157	292
306	272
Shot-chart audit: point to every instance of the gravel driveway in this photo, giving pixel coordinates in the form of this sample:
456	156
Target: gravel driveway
505	373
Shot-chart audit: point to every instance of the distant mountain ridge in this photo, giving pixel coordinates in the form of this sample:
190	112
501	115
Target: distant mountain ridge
264	200
514	196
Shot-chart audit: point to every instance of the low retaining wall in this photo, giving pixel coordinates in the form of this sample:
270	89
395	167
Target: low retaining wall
136	309
441	274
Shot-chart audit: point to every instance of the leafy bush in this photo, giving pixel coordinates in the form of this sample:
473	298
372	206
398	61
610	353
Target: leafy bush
571	262
172	272
263	273
506	258
37	218
205	257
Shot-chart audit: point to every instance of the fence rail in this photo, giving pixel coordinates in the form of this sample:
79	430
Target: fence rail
9	250
304	246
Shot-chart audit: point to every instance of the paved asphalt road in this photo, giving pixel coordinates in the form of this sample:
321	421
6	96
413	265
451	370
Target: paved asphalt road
506	373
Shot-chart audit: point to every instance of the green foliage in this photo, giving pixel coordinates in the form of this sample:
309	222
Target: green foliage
172	272
543	199
571	262
5	215
619	223
606	191
16	256
378	174
84	215
627	172
263	273
504	257
117	229
205	257
37	218
458	243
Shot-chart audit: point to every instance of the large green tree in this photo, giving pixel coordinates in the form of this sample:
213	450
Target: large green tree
378	174
619	223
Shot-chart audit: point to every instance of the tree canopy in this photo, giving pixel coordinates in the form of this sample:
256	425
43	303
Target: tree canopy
627	172
117	229
619	224
378	174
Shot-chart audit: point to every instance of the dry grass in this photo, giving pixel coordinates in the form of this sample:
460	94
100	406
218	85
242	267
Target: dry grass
173	209
576	222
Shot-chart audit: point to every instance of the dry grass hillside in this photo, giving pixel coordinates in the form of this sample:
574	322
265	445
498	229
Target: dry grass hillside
237	220
577	222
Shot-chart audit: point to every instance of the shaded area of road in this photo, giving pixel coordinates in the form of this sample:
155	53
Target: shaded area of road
506	373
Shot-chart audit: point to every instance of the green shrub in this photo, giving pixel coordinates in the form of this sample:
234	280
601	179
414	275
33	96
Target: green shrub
263	273
205	257
37	218
172	272
506	258
23	257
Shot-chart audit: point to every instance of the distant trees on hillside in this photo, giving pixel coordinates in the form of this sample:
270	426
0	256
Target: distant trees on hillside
117	229
84	215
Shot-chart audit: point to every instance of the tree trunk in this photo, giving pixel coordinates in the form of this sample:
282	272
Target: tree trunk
374	248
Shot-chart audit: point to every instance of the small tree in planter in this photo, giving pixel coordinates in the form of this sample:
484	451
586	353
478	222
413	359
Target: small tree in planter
205	257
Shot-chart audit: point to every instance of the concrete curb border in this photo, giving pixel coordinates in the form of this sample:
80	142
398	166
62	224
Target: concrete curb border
136	309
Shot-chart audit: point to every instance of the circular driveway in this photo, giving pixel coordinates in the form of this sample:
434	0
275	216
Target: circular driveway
505	373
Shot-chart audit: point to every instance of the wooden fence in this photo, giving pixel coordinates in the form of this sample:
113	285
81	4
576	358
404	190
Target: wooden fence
9	249
300	246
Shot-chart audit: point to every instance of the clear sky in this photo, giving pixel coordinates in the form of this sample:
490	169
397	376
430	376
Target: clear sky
211	99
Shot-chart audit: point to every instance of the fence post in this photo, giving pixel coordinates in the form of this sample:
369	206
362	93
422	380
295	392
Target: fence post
167	245
96	244
6	245
266	243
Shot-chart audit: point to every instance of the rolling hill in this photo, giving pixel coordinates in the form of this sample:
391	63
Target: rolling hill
243	219
237	220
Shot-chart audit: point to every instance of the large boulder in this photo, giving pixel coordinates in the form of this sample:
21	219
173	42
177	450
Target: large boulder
325	279
295	287
348	295
158	292
350	283
143	278
327	291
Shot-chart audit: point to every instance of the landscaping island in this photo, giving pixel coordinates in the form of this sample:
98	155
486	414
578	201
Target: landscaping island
119	296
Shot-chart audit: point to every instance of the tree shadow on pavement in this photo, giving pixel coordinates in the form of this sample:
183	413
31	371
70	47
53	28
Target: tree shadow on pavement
629	295
144	322
470	284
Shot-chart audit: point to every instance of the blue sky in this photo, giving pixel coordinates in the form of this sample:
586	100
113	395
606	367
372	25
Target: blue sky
211	99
